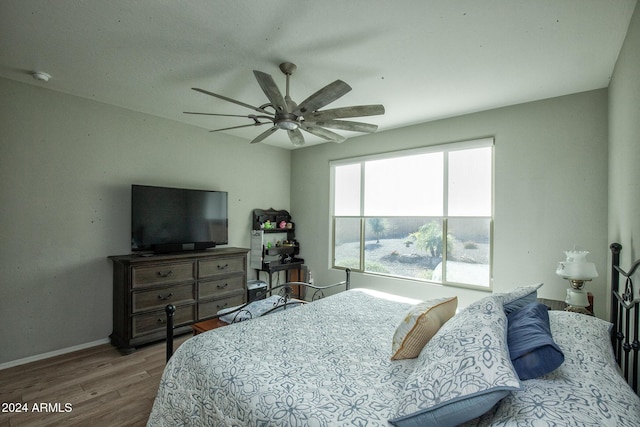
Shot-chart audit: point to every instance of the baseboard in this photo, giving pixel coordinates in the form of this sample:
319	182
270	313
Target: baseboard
43	356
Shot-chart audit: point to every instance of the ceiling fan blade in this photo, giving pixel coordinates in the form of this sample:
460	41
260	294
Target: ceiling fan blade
345	125
264	134
241	126
270	89
323	97
345	112
296	137
323	133
215	114
206	92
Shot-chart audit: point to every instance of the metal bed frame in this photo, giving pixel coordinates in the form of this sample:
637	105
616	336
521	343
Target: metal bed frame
625	316
285	291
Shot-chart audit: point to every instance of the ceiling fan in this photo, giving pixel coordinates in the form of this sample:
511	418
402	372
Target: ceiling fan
283	113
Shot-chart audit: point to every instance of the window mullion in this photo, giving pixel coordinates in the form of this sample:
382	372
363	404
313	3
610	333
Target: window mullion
362	187
362	244
445	184
362	221
445	247
445	214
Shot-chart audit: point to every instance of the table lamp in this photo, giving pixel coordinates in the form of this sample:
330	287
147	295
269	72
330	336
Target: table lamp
577	271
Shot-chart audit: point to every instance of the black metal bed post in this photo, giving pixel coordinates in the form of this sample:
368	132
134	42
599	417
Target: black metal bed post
616	335
348	279
626	346
625	316
170	310
635	346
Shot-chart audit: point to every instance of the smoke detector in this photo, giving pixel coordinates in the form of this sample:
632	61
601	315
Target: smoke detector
40	76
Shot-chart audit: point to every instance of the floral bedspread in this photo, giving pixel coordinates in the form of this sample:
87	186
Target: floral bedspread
328	364
586	390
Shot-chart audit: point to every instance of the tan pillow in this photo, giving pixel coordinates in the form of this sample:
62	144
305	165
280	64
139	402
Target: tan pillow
420	324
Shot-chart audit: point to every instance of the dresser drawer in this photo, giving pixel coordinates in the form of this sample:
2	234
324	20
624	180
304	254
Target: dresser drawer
159	297
218	288
211	308
157	321
162	273
213	267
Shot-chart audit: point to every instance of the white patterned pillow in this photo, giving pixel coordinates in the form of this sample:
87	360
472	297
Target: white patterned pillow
419	325
462	372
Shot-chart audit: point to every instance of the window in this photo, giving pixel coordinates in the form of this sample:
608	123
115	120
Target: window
423	214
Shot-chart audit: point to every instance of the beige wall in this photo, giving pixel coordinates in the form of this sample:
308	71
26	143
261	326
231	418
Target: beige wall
66	167
550	192
624	147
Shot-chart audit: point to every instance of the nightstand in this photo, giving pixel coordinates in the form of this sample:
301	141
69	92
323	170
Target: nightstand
207	325
561	305
553	304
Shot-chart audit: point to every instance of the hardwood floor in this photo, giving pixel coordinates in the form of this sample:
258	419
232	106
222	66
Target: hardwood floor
96	386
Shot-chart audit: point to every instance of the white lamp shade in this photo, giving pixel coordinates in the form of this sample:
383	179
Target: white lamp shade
577	270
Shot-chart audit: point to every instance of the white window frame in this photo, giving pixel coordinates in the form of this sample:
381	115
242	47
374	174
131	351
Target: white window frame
445	148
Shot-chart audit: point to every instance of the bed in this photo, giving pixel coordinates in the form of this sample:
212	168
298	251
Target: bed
343	360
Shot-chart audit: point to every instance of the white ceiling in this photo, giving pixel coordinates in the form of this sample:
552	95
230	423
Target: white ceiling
422	59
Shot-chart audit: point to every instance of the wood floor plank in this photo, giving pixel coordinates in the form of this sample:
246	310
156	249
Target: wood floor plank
56	382
102	387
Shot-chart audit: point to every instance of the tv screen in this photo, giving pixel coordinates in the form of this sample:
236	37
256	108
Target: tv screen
167	219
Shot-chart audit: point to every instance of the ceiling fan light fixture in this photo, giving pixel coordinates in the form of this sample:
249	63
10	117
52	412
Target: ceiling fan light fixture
288	124
40	76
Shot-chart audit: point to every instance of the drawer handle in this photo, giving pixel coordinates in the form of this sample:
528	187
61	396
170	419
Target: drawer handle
165	273
161	320
222	286
223	305
223	267
165	297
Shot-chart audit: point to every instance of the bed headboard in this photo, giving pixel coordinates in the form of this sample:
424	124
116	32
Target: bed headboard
625	316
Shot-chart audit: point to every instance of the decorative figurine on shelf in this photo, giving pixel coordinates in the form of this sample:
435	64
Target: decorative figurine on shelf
267	225
283	224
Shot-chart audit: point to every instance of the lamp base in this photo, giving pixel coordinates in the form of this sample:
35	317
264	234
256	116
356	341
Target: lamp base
581	310
577	301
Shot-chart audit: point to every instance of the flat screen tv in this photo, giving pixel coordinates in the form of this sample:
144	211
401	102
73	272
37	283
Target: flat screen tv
167	219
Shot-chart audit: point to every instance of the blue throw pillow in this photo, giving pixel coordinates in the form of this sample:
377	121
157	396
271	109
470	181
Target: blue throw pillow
533	351
516	299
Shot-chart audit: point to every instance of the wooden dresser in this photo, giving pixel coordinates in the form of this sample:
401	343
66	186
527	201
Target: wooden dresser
197	283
